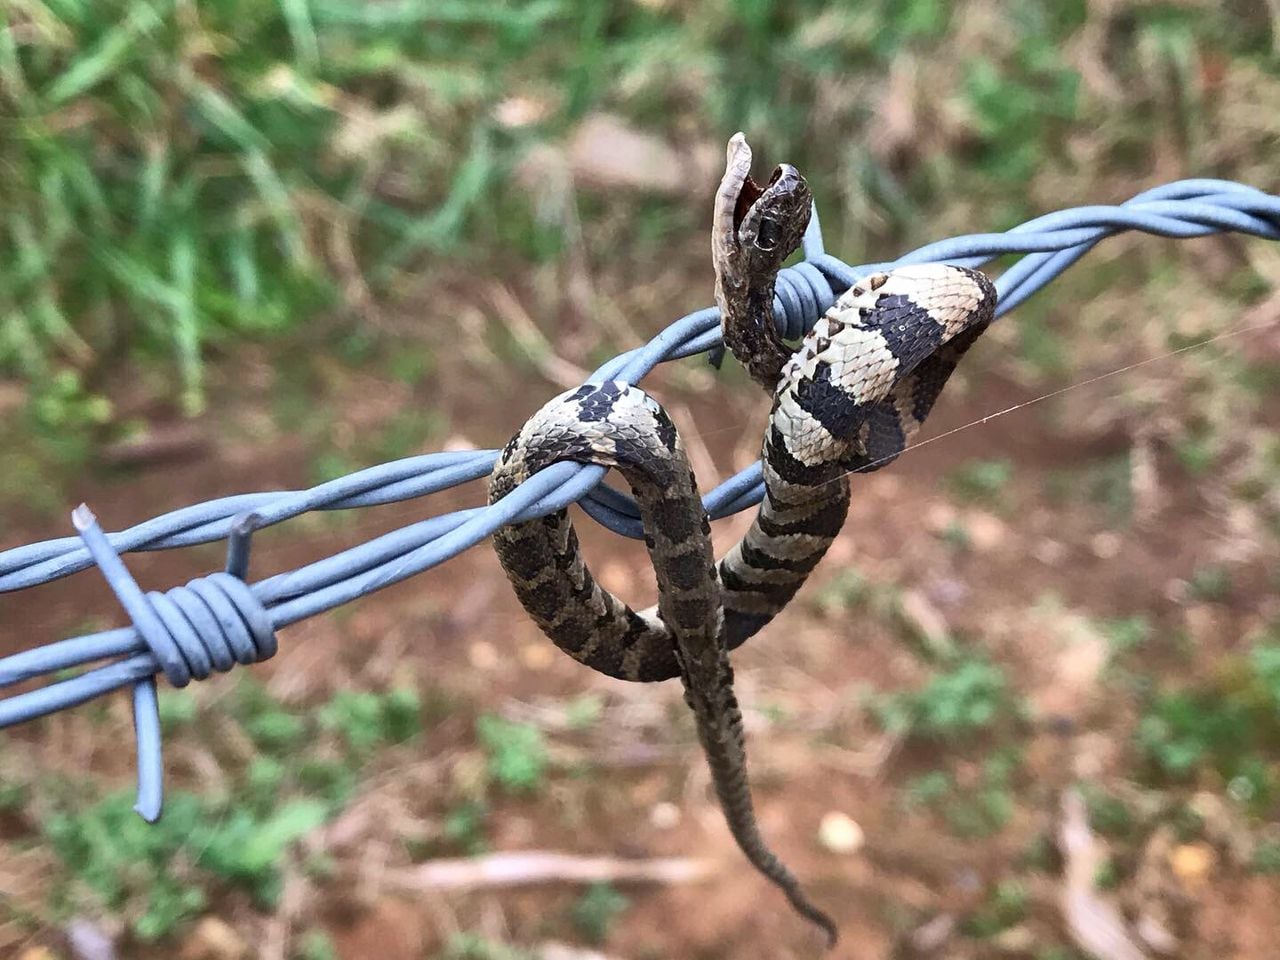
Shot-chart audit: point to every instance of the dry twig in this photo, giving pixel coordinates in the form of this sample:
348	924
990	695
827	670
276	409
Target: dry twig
542	866
1095	924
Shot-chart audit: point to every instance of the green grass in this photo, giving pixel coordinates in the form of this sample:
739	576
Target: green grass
1210	583
473	946
364	719
1019	104
316	945
926	789
1266	858
1006	905
1126	634
970	697
966	704
288	769
1225	730
516	752
464	827
302	771
981	481
1106	483
976	811
597	910
176	176
180	179
153	201
1108	814
132	867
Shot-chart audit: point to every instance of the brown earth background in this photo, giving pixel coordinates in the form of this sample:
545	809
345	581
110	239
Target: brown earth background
1076	597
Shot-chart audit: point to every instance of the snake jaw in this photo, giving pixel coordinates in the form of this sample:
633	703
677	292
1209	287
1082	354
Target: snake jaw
771	225
754	230
725	220
757	227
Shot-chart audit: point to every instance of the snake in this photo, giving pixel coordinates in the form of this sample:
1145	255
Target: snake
847	400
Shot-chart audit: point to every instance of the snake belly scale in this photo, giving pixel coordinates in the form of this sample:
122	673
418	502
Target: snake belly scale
848	400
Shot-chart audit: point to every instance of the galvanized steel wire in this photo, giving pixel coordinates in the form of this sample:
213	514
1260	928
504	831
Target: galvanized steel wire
217	621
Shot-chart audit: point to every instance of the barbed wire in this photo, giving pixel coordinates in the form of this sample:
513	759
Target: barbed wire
216	621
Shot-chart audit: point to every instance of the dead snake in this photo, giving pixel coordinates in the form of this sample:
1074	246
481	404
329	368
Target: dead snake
847	401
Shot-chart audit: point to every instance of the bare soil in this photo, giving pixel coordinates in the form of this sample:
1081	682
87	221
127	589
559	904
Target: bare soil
814	747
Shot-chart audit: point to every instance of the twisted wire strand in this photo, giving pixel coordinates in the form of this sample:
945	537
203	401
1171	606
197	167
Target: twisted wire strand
214	622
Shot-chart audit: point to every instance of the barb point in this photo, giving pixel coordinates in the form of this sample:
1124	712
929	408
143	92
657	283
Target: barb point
82	517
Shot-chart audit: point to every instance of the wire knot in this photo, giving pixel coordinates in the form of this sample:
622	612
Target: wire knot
802	294
209	624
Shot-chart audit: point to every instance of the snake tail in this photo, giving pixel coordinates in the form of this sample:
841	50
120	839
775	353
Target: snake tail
620	426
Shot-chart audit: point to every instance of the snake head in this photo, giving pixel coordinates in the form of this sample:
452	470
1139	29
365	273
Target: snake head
756	227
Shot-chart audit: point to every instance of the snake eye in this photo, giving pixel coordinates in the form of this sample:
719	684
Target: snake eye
767	234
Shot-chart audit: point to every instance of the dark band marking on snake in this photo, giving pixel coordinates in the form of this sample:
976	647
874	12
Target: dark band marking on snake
847	401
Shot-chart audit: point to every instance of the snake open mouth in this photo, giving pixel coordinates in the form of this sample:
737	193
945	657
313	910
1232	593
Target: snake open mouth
749	193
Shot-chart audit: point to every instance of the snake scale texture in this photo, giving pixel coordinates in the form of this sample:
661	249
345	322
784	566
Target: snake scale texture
848	400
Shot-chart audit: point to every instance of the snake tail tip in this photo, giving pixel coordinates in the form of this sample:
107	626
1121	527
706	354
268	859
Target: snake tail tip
832	932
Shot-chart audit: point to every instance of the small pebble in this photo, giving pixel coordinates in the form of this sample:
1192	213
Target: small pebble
87	940
933	935
840	833
1049	552
538	655
664	816
214	939
483	655
1106	545
1192	862
939	516
1019	940
986	531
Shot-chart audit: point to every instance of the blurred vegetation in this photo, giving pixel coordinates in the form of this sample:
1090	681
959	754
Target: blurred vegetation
969	697
185	182
516	753
1225	732
596	910
286	784
181	176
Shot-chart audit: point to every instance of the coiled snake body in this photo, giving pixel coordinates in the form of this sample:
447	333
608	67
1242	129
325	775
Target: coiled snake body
847	401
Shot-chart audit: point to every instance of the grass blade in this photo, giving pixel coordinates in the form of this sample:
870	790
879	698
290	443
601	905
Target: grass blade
302	33
96	64
186	322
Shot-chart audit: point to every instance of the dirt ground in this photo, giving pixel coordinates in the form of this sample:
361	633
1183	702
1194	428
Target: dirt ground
1028	707
1021	587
